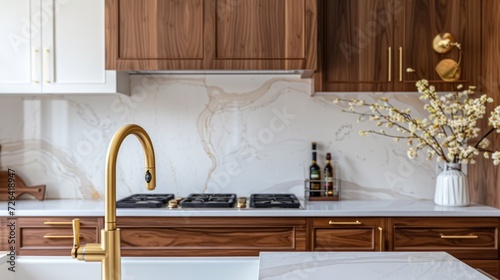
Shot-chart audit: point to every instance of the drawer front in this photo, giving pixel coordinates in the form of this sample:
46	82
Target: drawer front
53	236
210	236
346	234
467	238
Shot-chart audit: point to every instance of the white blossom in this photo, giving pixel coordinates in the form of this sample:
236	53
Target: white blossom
449	132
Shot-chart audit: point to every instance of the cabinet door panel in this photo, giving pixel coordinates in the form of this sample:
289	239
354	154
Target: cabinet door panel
356	41
421	21
344	240
260	29
20	35
161	29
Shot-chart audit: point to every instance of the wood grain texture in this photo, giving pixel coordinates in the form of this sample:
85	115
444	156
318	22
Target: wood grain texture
363	237
266	35
356	37
260	29
4	234
424	19
210	236
154	34
484	177
31	231
211	34
424	234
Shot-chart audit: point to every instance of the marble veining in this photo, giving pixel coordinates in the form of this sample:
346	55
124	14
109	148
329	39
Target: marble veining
212	133
364	265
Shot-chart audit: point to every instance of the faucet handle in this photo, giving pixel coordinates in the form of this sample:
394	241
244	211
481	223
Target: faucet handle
76	238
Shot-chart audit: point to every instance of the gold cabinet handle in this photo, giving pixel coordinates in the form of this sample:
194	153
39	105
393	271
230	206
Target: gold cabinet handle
58	236
345	223
57	223
381	240
470	236
400	64
389	62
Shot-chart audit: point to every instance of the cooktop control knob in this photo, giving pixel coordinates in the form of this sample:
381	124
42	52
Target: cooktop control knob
242	202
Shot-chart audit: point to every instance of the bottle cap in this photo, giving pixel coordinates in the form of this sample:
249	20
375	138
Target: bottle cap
328	156
314	145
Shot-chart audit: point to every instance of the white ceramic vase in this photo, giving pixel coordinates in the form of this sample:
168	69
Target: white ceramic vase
451	187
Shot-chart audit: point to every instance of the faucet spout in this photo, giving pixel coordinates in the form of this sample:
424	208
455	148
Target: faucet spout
108	252
149	172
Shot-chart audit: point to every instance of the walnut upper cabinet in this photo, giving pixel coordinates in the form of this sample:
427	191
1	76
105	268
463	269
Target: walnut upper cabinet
211	34
367	45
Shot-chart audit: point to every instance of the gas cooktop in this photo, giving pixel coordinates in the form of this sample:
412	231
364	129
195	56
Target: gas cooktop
209	200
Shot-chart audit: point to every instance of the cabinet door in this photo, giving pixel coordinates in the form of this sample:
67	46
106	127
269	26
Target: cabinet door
346	234
155	34
20	37
415	30
267	35
357	45
73	48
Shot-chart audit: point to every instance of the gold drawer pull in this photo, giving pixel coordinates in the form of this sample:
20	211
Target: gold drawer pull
58	223
459	236
58	236
345	223
381	241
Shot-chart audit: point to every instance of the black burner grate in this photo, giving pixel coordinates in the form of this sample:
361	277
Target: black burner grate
208	200
269	200
144	200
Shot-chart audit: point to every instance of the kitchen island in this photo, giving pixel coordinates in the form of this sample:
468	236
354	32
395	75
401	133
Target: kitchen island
269	266
363	265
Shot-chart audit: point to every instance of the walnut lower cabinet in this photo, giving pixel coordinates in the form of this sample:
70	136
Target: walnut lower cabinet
472	240
205	236
53	236
346	234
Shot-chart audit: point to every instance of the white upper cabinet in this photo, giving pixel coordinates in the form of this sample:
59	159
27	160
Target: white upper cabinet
55	46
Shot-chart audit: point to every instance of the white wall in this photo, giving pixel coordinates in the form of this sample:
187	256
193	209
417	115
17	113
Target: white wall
231	133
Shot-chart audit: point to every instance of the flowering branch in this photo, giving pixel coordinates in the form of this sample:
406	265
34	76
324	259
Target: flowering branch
446	132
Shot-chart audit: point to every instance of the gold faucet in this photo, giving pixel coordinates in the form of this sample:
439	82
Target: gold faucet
108	252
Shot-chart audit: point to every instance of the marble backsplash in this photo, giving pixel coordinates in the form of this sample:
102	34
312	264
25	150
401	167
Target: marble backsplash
211	133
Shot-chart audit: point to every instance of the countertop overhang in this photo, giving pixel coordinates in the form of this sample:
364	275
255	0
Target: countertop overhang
347	208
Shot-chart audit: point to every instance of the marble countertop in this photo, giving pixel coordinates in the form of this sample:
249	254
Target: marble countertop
348	208
364	265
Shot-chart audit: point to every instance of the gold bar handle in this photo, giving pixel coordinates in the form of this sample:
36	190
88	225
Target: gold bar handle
381	240
389	62
58	223
470	236
345	223
400	64
58	236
